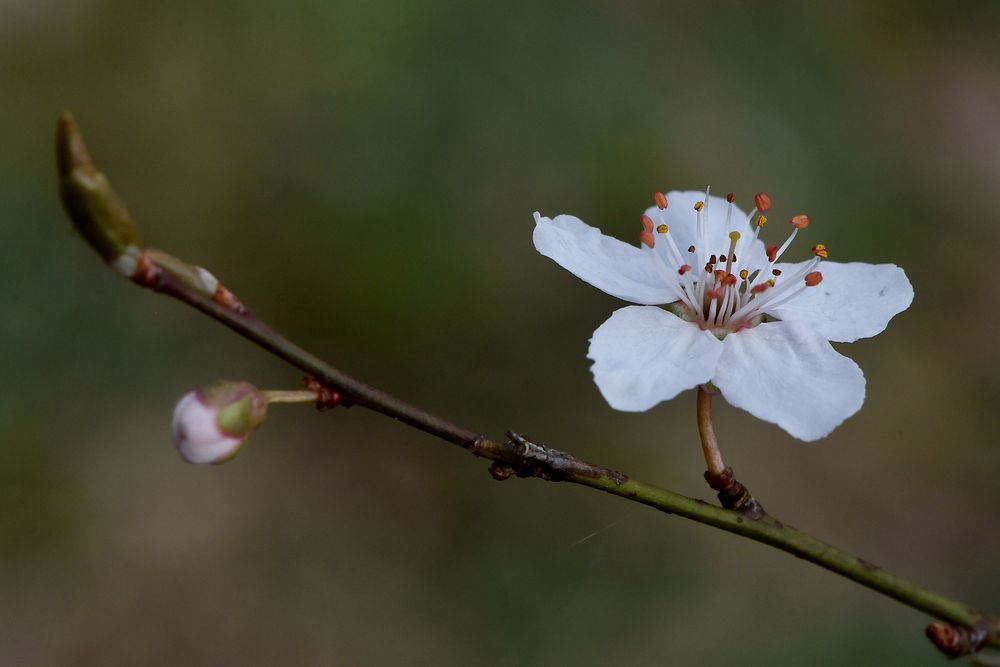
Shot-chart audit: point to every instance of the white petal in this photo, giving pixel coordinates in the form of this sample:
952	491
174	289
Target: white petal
789	375
643	355
854	300
622	270
681	219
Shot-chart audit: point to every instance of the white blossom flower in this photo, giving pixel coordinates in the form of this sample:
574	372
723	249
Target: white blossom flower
212	424
757	329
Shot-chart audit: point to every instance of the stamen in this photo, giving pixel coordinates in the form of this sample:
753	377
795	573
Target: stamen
646	235
762	201
734	238
686	286
800	221
789	288
726	295
713	307
701	222
784	246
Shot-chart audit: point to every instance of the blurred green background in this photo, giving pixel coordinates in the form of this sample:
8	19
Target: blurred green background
363	176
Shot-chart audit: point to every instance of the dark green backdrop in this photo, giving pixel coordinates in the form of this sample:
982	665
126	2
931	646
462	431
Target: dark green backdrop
363	175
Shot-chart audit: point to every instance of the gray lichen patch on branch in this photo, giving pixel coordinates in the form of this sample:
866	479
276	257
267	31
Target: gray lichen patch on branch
546	463
958	641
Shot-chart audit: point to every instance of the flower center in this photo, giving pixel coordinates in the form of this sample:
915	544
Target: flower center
727	289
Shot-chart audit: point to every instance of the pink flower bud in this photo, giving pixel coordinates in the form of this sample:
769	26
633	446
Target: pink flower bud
210	425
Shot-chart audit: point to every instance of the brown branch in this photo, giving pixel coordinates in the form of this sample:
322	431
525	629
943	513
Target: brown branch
103	220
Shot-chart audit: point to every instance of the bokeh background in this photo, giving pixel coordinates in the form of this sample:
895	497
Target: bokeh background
363	175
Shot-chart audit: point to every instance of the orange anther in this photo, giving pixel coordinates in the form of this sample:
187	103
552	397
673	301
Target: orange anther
730	279
647	238
684	269
647	223
814	278
800	221
757	289
730	198
762	201
660	199
772	253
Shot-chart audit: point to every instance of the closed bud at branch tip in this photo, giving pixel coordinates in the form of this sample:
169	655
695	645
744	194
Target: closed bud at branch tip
92	204
211	425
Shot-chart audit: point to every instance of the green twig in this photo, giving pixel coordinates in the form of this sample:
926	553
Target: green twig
101	217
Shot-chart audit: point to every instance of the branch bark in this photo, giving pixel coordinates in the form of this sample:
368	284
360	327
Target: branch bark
104	222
